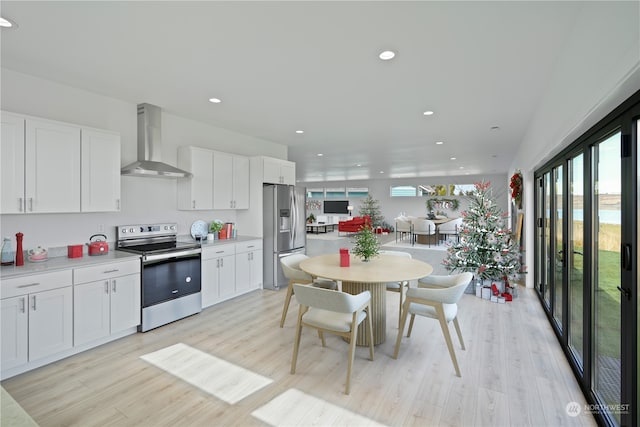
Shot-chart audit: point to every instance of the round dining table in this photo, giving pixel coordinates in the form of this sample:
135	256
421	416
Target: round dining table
369	276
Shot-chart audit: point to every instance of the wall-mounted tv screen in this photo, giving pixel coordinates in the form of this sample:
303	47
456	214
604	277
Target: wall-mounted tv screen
336	206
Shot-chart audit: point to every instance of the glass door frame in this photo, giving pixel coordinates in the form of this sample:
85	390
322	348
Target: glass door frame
625	119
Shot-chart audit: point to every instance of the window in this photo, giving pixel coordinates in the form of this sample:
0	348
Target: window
357	192
432	190
403	191
335	192
462	190
315	193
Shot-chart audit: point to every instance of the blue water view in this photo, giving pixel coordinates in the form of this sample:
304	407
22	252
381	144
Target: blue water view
606	216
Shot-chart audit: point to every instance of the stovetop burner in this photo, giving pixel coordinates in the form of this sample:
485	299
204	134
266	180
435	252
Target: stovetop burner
147	239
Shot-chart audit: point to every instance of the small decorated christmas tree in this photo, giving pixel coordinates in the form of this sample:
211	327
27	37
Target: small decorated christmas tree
366	244
485	247
369	207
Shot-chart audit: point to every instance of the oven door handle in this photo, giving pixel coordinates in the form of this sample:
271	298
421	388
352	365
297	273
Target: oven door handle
171	255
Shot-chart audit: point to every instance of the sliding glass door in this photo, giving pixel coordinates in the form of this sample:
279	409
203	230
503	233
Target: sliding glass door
575	258
587	208
607	220
558	245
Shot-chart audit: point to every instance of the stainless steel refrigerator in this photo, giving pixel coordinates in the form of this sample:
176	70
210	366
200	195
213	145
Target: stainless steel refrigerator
284	230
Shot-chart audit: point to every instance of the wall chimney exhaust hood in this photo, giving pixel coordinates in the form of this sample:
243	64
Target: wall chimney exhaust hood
149	162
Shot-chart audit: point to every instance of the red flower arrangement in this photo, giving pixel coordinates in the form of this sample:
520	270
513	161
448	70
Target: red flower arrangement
516	188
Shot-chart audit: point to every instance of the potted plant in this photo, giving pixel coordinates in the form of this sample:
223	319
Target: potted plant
311	218
366	244
215	227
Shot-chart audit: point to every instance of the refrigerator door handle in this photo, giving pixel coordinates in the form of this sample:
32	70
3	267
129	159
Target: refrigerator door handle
293	218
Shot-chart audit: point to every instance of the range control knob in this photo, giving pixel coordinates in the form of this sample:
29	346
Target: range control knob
173	227
131	230
124	230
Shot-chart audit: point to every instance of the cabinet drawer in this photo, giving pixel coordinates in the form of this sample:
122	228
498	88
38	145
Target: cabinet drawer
253	245
218	251
35	283
105	271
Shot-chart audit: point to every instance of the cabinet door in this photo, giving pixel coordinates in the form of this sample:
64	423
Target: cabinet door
100	180
227	277
52	165
50	322
248	271
12	164
195	193
14	332
256	269
243	272
209	282
90	311
222	181
125	302
271	171
240	182
288	173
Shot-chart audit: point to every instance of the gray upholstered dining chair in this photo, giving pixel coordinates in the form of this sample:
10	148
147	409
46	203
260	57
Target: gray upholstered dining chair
403	228
450	228
423	227
398	286
291	270
338	313
436	297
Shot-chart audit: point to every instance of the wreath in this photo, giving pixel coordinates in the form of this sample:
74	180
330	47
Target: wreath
516	188
442	204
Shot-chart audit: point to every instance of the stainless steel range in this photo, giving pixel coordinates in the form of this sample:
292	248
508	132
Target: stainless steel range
170	272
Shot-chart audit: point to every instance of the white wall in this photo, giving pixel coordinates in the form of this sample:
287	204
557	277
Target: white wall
599	69
143	199
391	207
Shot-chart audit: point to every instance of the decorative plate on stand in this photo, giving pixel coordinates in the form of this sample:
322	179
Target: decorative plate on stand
199	230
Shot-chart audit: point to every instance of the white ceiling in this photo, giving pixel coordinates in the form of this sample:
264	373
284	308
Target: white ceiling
283	66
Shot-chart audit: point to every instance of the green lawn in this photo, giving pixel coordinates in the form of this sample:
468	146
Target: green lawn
607	303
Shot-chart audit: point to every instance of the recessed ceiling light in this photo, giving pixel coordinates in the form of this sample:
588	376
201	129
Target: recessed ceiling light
5	23
381	171
461	167
299	131
428	113
215	100
453	158
387	55
320	154
439	142
358	165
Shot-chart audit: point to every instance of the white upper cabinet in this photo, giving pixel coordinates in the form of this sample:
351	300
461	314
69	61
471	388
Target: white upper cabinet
220	180
230	181
100	171
52	166
49	166
12	163
278	171
195	193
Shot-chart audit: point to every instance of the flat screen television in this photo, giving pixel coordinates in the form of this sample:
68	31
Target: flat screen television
336	206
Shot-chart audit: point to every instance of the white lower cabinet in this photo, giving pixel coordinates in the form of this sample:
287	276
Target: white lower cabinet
14	331
36	317
106	300
218	273
248	266
230	269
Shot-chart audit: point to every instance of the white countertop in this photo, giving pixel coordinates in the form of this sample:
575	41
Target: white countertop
65	263
239	239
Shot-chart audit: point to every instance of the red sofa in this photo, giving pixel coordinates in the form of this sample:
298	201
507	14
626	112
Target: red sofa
354	224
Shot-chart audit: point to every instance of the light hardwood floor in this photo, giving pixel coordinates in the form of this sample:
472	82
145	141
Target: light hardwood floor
513	372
